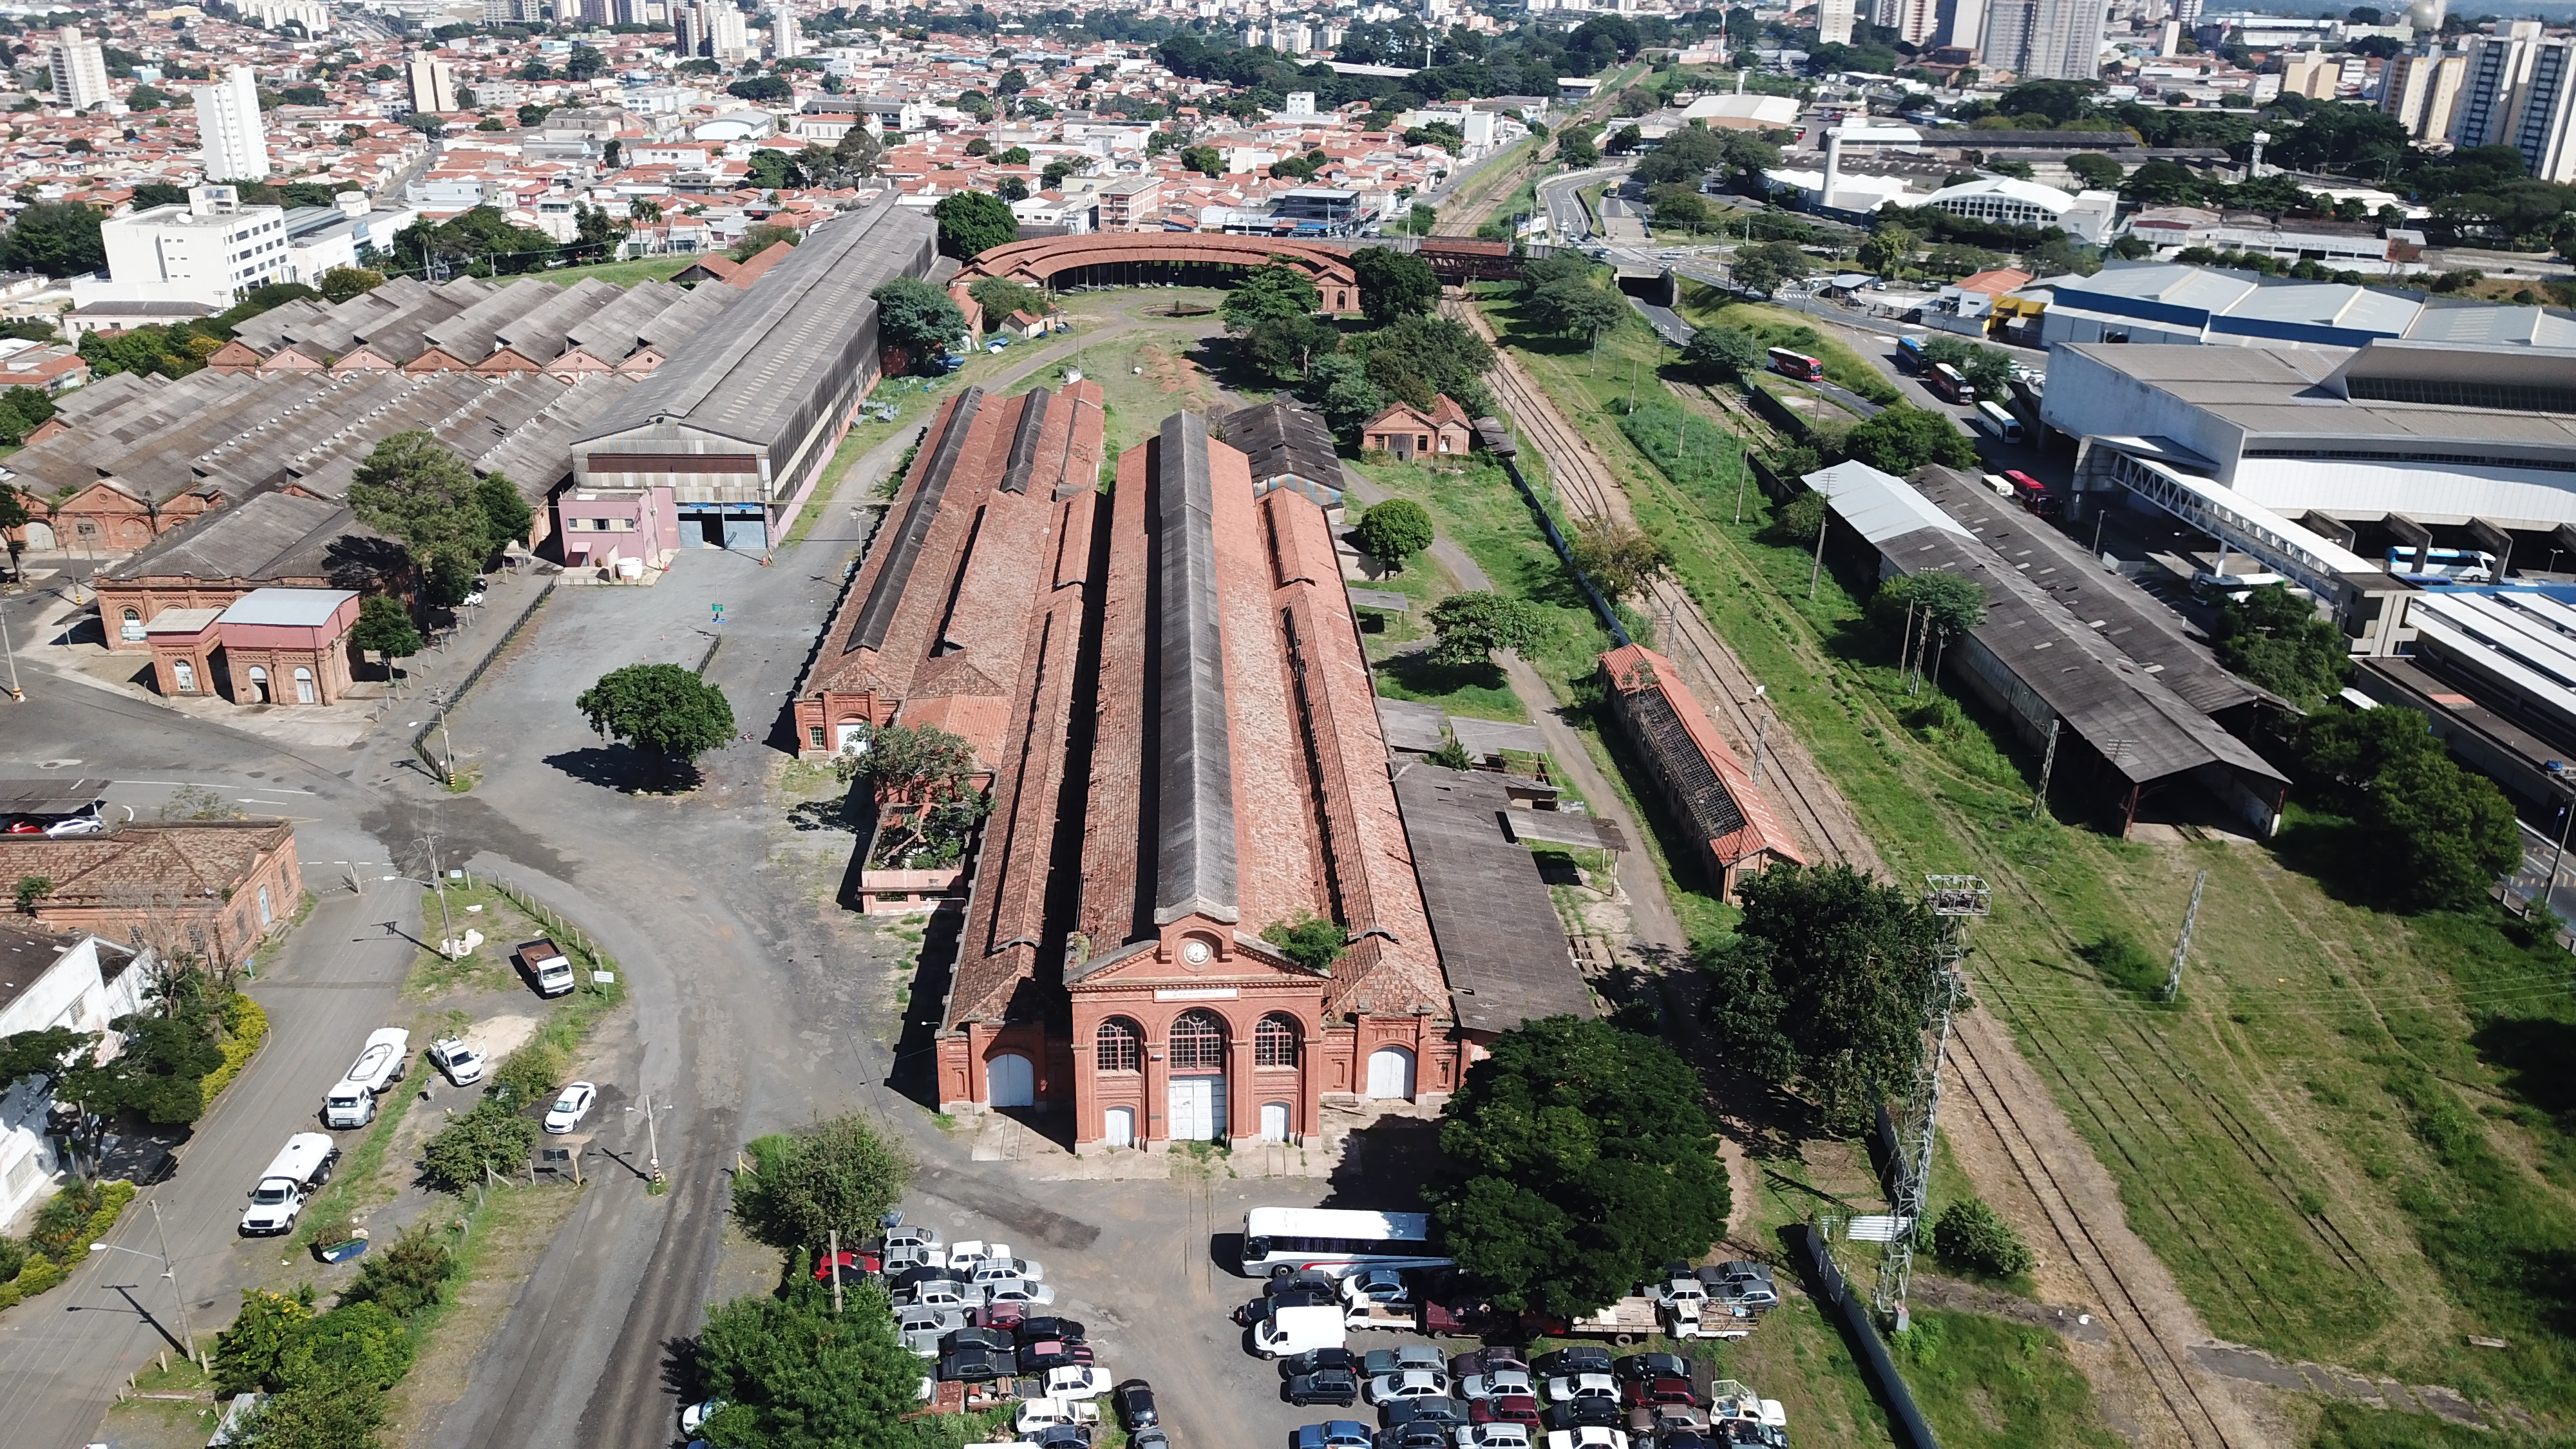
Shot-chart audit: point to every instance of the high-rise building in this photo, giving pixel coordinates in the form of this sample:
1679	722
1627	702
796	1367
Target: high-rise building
1963	23
1914	21
2312	75
2496	69
1834	21
229	129
80	70
691	25
786	40
2545	129
433	83
210	250
728	33
2044	39
2422	92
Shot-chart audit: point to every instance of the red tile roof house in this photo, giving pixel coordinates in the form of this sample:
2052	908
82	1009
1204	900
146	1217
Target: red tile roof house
1406	432
217	886
1703	784
1166	683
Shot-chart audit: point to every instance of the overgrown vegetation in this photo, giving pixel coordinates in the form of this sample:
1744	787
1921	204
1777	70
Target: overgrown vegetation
838	1174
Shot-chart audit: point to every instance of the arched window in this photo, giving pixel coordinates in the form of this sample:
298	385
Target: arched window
131	627
1198	1042
1121	1045
303	685
1274	1042
186	674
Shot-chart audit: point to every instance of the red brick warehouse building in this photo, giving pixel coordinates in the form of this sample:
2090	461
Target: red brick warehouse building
1167	684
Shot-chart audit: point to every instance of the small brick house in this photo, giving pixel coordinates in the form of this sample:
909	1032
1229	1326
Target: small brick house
288	646
215	887
1407	432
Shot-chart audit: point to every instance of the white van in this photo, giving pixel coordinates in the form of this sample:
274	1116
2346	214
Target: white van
299	1170
1291	1331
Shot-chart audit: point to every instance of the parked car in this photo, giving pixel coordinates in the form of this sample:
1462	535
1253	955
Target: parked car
1563	1387
1661	1421
1651	1366
474	595
1323	1386
1378	1285
1153	1438
943	1293
1647	1393
75	825
851	1268
1316	1359
1043	1413
1135	1401
941	1321
1013	1316
972	1338
1383	1361
1050	1326
1409	1384
1015	1290
976	1366
1413	1436
1500	1381
1589	1412
1263	1308
914	1236
1494	1436
1587	1438
994	1270
1447	1413
1505	1409
1487	1360
1051	1353
569	1108
1332	1434
695	1416
1077	1381
462	1064
1060	1436
1581	1358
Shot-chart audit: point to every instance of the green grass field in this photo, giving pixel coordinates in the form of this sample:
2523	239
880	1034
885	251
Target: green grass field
2346	1141
1705	306
623	274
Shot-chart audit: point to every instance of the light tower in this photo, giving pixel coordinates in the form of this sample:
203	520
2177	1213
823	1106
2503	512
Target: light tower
1951	899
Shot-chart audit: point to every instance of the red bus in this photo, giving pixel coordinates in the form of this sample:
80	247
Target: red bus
1946	380
1796	364
2031	493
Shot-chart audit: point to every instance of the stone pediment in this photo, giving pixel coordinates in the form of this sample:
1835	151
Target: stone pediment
1193	953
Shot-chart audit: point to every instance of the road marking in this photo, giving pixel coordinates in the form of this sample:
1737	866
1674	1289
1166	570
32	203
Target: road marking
201	784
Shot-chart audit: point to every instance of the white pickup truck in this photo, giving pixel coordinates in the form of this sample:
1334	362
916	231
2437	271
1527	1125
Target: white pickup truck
296	1173
351	1102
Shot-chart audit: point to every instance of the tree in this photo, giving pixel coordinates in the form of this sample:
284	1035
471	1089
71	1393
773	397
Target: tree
1931	607
1974	1238
2278	640
341	283
1718	354
1394	531
795	1375
2096	171
918	319
761	238
836	1174
1286	347
414	489
246	1353
1822	989
1681	210
57	238
1205	160
1420	358
493	1137
354	1348
1310	940
1904	438
1341	390
1888	249
1576	149
922	778
1000	297
406	1277
1472	626
1583	1163
1620	558
662	709
1763	266
385	629
507	515
974	222
1269	293
2432	835
1578	309
762	88
22	411
1394	284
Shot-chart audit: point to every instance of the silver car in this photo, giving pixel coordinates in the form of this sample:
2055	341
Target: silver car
1410	1384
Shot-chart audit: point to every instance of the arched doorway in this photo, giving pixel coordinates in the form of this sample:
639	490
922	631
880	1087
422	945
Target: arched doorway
1274	1121
1118	1127
1009	1081
1196	1111
852	732
186	675
258	685
303	685
1390	1074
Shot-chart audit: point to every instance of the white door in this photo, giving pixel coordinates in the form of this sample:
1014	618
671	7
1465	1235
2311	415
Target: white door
1390	1073
1009	1081
1197	1112
1274	1121
1119	1130
852	734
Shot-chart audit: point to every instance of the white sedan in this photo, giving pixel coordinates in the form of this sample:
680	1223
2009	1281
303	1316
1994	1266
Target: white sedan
1077	1381
571	1107
1582	1386
1016	1290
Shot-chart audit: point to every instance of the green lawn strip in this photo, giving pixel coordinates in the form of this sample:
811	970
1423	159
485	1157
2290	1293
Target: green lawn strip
854	445
1706	306
354	1184
624	274
2208	1178
1990	1382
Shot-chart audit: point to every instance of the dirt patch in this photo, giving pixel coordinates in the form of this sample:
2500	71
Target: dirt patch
497	1037
516	1227
1956	1295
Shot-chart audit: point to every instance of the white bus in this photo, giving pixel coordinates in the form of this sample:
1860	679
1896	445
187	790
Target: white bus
1281	1241
1997	419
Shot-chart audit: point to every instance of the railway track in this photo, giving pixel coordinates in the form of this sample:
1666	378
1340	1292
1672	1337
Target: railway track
2019	1111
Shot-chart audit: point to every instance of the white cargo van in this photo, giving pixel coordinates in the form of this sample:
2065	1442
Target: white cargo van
299	1170
1289	1331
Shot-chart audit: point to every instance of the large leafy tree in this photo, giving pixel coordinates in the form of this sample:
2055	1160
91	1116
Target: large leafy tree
1277	293
837	1175
415	490
1420	358
1342	390
1718	354
795	1375
2279	641
1394	284
1286	347
1394	531
57	238
662	709
1582	1161
1620	558
1472	626
918	319
1824	987
1904	438
1929	608
2433	835
973	222
1577	309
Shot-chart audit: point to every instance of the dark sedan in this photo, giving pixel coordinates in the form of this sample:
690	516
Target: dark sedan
991	1339
1324	1386
977	1366
1135	1401
1447	1413
1316	1359
1582	1358
1651	1366
1049	1327
1050	1353
1585	1412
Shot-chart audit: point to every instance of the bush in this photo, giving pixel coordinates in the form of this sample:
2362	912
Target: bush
532	1073
1311	941
354	1347
837	1174
493	1136
13	1256
1973	1238
314	1418
406	1277
39	1275
246	1353
245	1027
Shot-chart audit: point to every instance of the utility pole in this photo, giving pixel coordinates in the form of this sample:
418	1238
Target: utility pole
11	649
1817	570
2182	946
1952	899
653	1149
171	1269
834	1260
2047	767
1761	735
438	886
2566	817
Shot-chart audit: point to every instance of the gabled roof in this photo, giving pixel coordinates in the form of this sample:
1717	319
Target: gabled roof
1733	811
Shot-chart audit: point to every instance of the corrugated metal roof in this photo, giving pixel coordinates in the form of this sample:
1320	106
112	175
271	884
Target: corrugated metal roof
1499	936
1877	505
